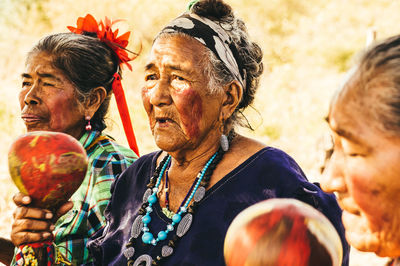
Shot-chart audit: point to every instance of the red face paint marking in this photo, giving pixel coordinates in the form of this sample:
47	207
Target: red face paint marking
190	107
62	101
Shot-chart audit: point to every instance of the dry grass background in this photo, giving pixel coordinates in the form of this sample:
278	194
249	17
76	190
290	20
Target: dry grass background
308	46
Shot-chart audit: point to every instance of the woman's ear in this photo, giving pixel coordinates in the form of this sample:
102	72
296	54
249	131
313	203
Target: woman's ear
94	101
233	93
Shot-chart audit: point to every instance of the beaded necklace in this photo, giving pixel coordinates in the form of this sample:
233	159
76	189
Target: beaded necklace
147	236
181	221
166	209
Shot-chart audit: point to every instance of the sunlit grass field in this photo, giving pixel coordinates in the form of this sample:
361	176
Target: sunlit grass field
308	46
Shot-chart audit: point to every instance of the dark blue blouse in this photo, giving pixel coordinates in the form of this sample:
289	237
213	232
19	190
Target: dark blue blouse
269	173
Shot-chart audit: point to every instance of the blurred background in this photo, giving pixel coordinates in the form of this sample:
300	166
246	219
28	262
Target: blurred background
308	47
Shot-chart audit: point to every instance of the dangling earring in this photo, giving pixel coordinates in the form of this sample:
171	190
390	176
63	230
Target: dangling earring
224	139
88	125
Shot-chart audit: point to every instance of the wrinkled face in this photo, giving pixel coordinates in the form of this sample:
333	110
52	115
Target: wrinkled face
181	112
364	170
48	100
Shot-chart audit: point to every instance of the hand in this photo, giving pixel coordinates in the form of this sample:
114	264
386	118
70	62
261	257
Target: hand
33	224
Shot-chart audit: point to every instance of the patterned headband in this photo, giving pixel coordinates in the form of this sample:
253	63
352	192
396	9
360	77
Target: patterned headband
214	37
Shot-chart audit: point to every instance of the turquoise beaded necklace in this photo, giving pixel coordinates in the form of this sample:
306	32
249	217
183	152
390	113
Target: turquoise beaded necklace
181	221
148	237
166	209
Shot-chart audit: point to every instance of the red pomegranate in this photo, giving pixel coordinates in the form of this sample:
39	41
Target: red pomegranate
47	166
282	232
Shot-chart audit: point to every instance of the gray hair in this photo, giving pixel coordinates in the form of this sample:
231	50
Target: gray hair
249	55
378	76
86	61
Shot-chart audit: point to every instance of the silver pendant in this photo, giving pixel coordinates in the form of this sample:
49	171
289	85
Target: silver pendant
129	252
146	195
166	251
144	260
184	225
137	226
199	195
224	142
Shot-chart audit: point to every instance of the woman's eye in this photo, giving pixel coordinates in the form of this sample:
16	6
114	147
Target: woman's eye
48	84
179	78
150	77
26	83
353	150
353	154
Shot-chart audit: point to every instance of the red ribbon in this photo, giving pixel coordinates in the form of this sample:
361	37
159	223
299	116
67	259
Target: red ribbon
124	113
118	45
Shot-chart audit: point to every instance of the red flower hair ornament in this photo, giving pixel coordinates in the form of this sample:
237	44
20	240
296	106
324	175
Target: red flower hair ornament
118	44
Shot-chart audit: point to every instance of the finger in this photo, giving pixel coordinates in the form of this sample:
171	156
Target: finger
64	209
21	225
33	213
30	237
21	199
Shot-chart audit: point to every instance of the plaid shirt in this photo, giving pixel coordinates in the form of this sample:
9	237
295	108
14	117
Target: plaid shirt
106	161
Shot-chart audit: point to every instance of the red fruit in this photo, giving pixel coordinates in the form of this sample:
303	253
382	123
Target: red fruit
47	166
282	232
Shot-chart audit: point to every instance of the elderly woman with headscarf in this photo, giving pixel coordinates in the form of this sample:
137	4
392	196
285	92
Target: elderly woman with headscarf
364	169
174	206
66	87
